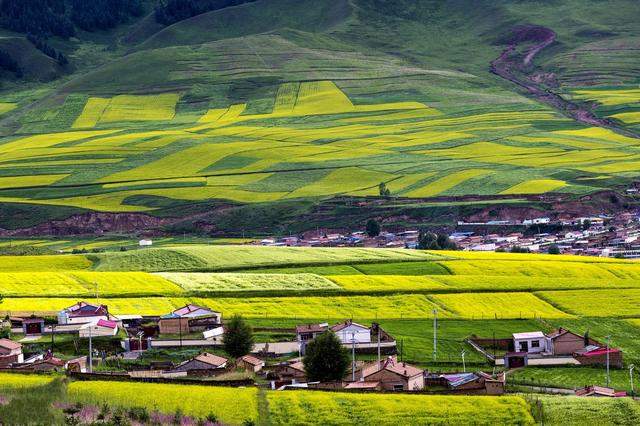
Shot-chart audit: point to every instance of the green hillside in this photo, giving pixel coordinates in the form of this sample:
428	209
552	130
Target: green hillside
273	102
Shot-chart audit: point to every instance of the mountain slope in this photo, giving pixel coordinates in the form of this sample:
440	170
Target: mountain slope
276	102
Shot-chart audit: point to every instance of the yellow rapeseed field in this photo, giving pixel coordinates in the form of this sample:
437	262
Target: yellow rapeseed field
232	406
333	408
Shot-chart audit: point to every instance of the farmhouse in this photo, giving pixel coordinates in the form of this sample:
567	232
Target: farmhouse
32	326
292	371
83	313
394	375
350	332
531	342
189	318
472	383
10	352
204	361
99	328
250	363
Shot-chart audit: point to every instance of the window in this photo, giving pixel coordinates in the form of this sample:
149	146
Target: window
535	343
398	387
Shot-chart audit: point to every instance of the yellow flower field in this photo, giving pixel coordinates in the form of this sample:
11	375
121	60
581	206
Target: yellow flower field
336	408
364	283
204	282
231	406
10	381
536	186
596	303
497	305
43	263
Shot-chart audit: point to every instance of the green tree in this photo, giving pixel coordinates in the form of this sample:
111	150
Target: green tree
238	337
554	249
373	228
383	190
427	241
325	359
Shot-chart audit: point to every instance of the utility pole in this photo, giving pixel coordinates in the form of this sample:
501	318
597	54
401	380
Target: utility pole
379	358
631	367
90	349
464	366
608	378
353	356
53	332
435	334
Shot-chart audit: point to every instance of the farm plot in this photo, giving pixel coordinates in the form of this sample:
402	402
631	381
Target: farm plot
52	305
288	408
498	305
43	263
84	284
596	303
536	186
22	381
571	410
386	283
527	283
327	307
231	406
205	282
140	108
610	271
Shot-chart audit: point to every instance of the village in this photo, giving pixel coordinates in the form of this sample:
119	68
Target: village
186	345
601	235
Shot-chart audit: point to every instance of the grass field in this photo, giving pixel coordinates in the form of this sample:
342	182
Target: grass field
575	410
206	282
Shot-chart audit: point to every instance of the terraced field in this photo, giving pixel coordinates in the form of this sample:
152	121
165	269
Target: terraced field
339	148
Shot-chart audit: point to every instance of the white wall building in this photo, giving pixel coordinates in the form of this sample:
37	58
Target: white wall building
349	331
531	342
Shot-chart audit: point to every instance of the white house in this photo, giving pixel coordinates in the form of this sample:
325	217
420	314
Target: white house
530	342
213	333
99	328
145	243
348	331
83	313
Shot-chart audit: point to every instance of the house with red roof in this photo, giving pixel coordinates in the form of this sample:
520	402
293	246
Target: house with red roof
394	375
250	363
203	362
83	313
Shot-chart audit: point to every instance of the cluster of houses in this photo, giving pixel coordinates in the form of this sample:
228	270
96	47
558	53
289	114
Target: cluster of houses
560	347
385	373
601	235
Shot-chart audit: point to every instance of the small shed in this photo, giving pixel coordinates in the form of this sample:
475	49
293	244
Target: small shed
31	326
101	328
516	359
251	363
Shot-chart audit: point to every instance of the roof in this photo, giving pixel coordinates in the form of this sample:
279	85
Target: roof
9	344
211	359
362	385
600	390
460	379
252	360
346	324
190	308
390	364
311	328
32	320
561	332
84	309
107	324
529	335
297	366
600	351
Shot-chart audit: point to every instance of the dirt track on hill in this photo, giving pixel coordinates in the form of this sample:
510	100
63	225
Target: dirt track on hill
515	66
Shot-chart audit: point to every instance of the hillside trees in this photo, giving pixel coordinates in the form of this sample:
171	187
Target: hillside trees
45	18
171	11
372	228
431	241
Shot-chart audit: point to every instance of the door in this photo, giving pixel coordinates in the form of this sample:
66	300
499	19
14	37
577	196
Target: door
34	328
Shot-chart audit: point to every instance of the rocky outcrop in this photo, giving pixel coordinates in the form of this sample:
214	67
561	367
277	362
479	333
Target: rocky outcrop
93	223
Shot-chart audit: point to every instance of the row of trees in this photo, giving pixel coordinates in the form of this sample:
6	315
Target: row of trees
171	11
45	18
426	240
